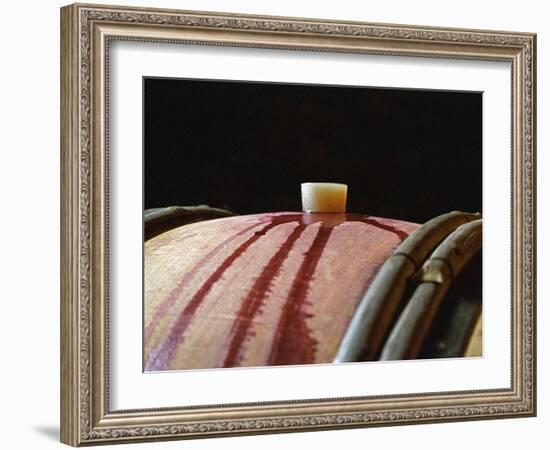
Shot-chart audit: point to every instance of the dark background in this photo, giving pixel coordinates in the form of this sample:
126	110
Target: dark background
405	154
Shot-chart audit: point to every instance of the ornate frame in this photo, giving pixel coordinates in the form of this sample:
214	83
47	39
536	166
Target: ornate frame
86	31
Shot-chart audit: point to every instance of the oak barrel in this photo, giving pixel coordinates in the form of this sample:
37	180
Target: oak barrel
264	289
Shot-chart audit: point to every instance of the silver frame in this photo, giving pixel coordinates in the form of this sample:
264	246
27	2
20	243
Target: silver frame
86	32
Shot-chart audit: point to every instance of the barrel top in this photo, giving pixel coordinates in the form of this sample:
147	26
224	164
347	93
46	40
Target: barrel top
262	289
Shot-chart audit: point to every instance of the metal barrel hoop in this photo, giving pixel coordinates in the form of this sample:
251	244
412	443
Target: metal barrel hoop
434	279
376	311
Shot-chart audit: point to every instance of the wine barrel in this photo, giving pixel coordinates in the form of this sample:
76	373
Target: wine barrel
434	280
256	290
159	220
382	302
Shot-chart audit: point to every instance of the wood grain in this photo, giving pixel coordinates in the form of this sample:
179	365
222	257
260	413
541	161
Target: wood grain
266	289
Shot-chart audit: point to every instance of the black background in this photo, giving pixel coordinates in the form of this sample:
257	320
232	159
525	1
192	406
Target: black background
405	154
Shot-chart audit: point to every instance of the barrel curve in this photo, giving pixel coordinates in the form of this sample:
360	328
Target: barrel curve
434	277
375	312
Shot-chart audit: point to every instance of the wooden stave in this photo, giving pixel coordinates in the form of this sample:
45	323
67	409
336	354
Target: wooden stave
263	364
160	220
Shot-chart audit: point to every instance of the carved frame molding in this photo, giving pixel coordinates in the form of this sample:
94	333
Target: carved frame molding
86	31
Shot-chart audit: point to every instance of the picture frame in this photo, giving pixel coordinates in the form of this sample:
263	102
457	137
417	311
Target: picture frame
87	32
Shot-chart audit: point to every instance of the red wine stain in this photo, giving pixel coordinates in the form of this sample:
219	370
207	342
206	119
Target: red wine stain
175	293
402	235
256	297
293	343
161	357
